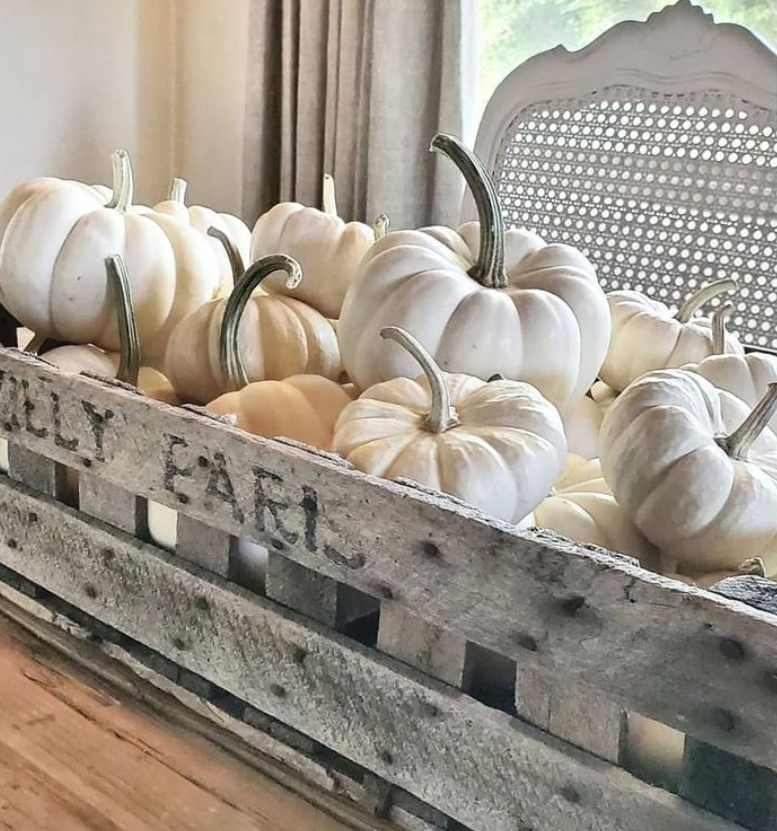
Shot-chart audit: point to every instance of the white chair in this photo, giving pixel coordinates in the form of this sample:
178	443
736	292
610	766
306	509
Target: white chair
653	150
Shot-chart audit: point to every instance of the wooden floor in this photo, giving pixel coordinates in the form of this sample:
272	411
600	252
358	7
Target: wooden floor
77	753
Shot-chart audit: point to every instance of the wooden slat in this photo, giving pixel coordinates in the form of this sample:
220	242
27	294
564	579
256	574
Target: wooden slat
484	768
577	612
112	504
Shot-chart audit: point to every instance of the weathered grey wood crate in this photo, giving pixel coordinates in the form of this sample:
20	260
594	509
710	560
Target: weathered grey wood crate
405	649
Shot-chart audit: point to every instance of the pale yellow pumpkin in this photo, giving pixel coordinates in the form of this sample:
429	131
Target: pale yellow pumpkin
498	445
303	407
277	337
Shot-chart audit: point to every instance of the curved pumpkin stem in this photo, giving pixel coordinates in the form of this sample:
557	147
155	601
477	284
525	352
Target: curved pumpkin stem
695	301
741	440
233	373
177	190
235	258
129	339
489	270
123	181
719	319
380	226
328	198
443	414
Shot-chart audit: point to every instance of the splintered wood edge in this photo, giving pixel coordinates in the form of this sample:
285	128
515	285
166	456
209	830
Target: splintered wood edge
576	611
444	748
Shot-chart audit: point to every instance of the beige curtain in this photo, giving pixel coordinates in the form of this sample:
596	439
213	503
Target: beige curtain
357	88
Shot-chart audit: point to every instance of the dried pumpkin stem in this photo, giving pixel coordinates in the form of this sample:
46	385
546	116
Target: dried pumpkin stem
235	259
489	270
123	181
129	339
380	226
328	198
177	190
719	319
443	415
695	301
754	566
233	371
741	440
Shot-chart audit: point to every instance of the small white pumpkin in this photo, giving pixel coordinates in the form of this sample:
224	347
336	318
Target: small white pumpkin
582	508
696	469
277	337
481	300
746	376
203	219
328	250
648	335
497	445
52	263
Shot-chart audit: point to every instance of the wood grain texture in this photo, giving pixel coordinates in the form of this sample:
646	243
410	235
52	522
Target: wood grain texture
480	766
76	753
652	645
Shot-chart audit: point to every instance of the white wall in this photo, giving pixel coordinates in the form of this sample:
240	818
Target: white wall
163	78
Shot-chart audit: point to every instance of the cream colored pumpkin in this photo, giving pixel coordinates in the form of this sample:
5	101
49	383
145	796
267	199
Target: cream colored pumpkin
497	445
582	420
647	335
52	255
328	249
746	376
278	337
203	219
481	300
582	508
125	364
303	407
695	469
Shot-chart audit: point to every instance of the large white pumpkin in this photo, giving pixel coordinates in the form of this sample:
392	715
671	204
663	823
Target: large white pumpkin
497	445
648	335
328	249
696	470
203	219
52	262
481	300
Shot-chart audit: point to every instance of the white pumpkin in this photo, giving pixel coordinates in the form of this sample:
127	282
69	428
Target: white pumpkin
203	219
603	395
328	249
582	508
481	300
648	335
696	469
582	423
497	445
124	365
277	337
52	263
746	376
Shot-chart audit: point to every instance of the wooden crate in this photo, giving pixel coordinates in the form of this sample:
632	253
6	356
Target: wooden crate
440	665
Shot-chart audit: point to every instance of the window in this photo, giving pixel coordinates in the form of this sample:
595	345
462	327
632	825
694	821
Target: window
511	31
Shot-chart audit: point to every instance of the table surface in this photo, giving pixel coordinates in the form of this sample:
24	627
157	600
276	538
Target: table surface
78	753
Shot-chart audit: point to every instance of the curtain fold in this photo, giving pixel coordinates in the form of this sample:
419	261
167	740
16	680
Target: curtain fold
357	88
